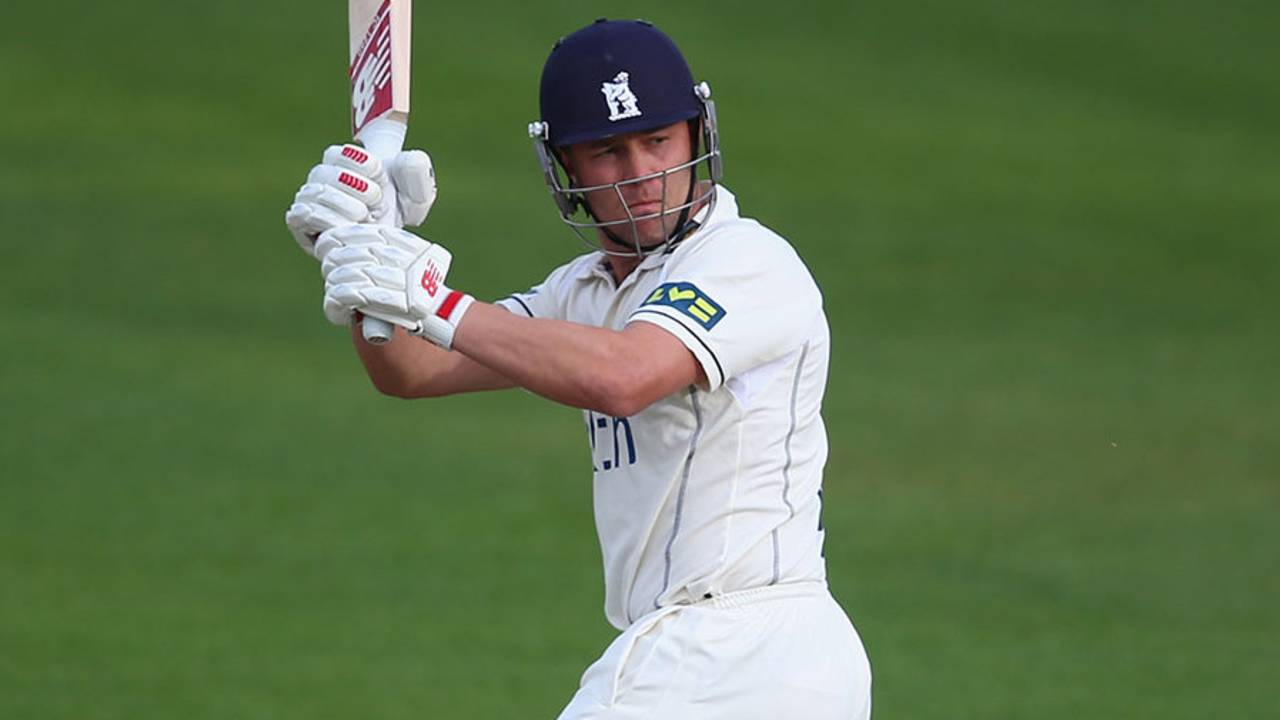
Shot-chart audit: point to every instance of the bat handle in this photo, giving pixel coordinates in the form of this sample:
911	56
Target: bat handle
383	138
376	330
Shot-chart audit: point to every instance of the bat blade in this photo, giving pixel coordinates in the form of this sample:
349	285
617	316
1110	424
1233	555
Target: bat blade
379	60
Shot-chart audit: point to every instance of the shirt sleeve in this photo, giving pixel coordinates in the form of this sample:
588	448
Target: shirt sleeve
543	300
737	301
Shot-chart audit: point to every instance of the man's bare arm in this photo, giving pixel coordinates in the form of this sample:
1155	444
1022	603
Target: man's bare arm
410	367
615	372
399	277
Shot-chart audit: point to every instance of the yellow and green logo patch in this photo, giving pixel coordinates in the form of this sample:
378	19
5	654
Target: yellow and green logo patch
688	299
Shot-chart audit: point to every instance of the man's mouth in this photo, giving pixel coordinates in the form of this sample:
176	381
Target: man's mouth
650	207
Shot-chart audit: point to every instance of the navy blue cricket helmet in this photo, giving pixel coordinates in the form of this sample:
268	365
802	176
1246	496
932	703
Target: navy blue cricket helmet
614	77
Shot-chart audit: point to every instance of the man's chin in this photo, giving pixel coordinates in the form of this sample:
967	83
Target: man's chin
651	234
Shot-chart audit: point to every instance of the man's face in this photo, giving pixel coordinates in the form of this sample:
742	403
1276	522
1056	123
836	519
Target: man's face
630	156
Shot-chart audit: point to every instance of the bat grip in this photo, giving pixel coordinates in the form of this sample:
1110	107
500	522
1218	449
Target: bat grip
383	138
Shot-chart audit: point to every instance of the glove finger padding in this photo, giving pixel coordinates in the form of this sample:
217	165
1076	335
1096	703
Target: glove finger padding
390	278
390	305
356	158
363	164
306	221
343	203
367	192
340	303
317	208
393	275
350	185
352	290
391	246
355	276
344	258
414	177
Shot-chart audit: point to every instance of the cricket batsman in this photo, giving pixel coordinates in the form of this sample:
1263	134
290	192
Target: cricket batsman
694	341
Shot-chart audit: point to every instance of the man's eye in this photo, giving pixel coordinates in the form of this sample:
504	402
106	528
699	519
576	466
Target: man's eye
604	152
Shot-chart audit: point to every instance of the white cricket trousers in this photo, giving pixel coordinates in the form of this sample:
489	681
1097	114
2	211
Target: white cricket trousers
784	652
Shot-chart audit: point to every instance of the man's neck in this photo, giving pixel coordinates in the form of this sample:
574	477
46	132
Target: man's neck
620	266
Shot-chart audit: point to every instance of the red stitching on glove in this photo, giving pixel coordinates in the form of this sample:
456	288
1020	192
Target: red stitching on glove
352	181
355	154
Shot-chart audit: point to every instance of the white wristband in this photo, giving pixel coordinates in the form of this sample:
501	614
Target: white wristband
439	326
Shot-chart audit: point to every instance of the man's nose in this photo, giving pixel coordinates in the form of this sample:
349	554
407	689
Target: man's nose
643	167
640	164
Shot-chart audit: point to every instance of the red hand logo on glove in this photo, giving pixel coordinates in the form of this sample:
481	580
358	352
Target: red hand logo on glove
431	278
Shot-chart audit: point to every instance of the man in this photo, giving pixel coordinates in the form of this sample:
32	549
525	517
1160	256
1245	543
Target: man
694	341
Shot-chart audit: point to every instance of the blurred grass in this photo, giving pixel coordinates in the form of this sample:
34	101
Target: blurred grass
1046	234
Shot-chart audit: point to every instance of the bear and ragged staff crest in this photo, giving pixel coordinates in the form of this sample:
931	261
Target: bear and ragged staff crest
622	102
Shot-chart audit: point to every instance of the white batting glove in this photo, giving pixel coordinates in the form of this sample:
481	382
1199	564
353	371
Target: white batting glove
393	275
351	186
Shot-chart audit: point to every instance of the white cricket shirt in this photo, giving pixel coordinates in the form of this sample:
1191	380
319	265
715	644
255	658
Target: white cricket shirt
712	489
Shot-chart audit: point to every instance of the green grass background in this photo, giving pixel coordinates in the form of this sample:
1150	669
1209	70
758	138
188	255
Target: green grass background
1047	234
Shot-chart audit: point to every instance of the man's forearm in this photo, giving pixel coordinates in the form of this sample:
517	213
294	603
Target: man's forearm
572	364
410	367
398	365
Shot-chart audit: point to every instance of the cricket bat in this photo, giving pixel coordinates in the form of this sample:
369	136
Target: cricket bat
380	37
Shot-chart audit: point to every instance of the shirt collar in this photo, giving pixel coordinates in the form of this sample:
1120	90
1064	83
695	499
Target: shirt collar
724	208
